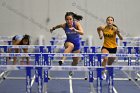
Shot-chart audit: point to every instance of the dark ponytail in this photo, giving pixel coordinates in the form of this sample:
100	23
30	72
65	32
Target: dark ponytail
115	26
75	16
25	37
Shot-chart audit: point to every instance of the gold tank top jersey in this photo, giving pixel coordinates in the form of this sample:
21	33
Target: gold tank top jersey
109	37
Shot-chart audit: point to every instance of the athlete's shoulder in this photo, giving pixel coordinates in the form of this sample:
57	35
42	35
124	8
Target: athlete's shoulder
102	27
76	22
115	28
63	25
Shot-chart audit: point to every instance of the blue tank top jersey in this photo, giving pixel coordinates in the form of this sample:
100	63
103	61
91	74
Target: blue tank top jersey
72	37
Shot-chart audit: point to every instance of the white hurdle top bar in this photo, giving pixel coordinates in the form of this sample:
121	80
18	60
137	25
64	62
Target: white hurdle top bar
66	68
30	46
67	54
53	46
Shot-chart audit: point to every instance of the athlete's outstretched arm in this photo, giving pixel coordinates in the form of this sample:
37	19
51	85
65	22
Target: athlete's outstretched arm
119	35
79	29
99	30
56	27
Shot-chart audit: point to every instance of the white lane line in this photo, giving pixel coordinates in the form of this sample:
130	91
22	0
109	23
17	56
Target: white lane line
2	74
132	79
115	91
33	79
70	82
138	74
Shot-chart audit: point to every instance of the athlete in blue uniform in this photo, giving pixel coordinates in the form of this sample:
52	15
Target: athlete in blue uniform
20	40
73	30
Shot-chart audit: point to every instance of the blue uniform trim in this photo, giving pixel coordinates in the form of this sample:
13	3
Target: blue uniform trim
72	37
18	37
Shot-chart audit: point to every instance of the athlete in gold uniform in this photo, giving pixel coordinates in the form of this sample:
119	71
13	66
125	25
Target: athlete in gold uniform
109	32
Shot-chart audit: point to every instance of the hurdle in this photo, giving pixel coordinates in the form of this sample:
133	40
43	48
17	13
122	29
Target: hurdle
6	40
38	58
94	48
91	76
28	69
46	55
121	49
68	68
97	60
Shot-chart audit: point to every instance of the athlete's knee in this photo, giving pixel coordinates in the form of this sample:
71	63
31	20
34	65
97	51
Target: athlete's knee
74	63
105	59
75	60
71	46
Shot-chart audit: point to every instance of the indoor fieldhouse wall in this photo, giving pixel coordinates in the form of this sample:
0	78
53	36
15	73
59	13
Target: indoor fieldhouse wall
35	17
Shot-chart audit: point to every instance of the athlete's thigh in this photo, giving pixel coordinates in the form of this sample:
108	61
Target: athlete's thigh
111	60
68	44
104	50
76	58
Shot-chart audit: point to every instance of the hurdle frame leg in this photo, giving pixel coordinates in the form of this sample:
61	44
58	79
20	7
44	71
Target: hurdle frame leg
110	79
85	64
129	64
46	73
45	87
28	80
99	80
92	90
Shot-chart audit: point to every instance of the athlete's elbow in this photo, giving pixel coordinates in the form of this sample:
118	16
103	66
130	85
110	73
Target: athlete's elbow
121	38
82	33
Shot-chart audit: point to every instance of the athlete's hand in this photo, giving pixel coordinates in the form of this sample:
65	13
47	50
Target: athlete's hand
51	30
73	29
117	32
101	37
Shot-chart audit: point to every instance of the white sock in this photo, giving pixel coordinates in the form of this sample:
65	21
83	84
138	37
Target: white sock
62	61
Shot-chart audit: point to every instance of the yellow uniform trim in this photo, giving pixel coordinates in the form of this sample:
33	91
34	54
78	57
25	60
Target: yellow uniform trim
109	37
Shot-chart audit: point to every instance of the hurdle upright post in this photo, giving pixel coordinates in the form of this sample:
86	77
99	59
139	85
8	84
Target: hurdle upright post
129	61
40	79
136	61
50	50
91	64
5	50
94	50
125	44
36	63
28	80
137	51
99	58
129	58
91	76
46	57
85	59
110	79
46	73
99	80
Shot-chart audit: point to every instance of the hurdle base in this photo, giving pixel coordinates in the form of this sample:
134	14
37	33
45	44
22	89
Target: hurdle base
86	78
65	78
